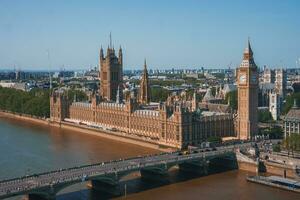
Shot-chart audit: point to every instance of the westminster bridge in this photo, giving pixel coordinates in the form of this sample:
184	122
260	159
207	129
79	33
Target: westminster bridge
105	176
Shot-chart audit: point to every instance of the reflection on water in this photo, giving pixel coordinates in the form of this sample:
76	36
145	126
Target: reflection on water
28	148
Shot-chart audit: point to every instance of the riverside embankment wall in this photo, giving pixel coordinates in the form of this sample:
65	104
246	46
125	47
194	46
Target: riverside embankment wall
24	117
114	135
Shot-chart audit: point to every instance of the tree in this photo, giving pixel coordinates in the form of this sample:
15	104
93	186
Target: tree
276	148
264	116
290	102
214	139
164	82
286	144
36	102
80	95
275	132
219	76
189	93
159	94
295	142
292	143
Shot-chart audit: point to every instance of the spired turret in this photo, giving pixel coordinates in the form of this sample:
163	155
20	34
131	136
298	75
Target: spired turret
101	55
144	92
120	56
118	99
248	60
208	96
248	53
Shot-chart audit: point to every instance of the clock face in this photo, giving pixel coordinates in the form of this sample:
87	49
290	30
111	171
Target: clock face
243	78
253	78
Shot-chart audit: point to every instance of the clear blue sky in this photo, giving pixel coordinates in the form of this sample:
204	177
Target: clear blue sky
169	33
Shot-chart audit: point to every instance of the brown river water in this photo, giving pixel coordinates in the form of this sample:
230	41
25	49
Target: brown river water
27	148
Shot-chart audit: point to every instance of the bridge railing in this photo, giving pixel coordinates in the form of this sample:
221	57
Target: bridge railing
144	163
137	165
79	167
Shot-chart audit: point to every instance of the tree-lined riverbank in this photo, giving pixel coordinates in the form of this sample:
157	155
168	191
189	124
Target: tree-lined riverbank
35	102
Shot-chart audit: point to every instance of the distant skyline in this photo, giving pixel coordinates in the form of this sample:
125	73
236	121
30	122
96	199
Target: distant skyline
179	34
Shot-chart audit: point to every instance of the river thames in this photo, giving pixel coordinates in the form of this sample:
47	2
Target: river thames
27	148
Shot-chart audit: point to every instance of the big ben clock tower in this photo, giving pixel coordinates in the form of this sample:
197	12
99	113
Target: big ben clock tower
247	80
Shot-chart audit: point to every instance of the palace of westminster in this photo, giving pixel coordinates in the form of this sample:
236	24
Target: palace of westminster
175	123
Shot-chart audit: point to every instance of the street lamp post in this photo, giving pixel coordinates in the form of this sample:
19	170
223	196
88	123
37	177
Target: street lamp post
125	190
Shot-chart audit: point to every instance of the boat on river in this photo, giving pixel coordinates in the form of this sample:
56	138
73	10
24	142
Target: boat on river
277	181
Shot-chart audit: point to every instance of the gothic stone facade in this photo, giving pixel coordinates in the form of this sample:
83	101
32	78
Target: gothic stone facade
173	126
111	73
144	96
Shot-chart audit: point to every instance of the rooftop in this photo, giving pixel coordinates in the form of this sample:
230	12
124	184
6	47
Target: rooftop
293	114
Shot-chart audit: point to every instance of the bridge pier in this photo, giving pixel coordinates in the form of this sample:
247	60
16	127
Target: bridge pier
198	167
223	163
157	173
106	184
40	196
261	167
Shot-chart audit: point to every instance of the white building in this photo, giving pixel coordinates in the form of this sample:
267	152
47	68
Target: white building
280	82
268	76
274	105
18	86
292	121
